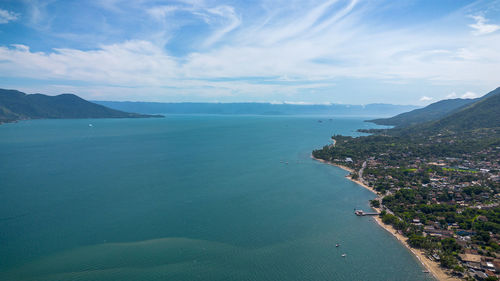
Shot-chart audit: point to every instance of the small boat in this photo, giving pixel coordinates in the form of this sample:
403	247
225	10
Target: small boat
344	255
425	271
90	125
336	245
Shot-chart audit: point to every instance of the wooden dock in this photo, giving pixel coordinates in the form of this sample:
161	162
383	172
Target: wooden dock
363	213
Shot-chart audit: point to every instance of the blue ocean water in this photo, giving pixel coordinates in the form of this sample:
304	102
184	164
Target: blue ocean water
186	198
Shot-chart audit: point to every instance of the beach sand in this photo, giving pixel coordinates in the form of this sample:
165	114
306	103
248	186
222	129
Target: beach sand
432	266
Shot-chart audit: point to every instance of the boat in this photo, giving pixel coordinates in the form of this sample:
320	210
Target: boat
336	245
344	255
425	271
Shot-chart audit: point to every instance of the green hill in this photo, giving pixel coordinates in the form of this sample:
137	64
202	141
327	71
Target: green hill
16	105
484	113
452	114
431	112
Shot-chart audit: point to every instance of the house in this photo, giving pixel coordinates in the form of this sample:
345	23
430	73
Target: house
471	260
488	265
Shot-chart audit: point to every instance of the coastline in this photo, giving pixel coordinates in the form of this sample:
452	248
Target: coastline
346	169
433	267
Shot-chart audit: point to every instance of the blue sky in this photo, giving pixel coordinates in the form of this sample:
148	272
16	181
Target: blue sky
331	51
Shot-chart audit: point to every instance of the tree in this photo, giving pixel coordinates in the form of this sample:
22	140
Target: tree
375	203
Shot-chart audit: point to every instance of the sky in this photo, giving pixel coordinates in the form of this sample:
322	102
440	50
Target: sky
310	52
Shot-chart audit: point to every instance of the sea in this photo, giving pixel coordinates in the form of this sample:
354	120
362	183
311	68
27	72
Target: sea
187	197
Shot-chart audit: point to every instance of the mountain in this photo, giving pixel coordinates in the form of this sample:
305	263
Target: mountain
483	113
431	112
442	110
258	108
15	105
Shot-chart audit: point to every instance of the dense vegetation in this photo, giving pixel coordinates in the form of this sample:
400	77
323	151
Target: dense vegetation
15	105
431	112
457	113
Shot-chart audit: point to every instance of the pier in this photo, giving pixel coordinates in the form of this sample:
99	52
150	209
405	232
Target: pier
363	213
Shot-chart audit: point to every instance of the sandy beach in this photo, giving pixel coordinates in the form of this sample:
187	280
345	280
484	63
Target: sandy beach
362	184
432	266
346	169
333	164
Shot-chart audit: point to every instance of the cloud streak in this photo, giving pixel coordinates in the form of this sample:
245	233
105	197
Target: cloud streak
7	16
301	49
481	27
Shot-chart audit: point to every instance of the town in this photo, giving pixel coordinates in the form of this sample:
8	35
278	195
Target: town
439	190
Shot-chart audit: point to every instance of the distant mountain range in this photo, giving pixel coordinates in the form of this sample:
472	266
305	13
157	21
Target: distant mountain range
15	105
258	108
452	114
449	115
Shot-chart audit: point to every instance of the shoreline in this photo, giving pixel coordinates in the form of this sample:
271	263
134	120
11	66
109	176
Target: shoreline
345	168
433	267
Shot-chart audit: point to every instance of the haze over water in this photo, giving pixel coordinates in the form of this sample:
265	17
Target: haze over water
186	198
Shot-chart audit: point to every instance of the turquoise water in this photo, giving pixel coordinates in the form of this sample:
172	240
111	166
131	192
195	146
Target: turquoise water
186	198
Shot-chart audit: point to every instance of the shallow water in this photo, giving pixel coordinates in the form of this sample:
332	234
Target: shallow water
186	198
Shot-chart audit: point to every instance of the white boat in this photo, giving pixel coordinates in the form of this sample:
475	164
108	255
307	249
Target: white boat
344	255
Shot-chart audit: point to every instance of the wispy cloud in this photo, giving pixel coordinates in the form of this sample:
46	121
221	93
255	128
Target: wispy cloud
230	21
451	95
481	27
469	95
129	64
195	48
161	12
7	16
425	98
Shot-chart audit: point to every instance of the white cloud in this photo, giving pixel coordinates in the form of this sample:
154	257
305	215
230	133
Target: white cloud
451	95
481	27
425	98
305	103
230	19
469	95
129	64
6	16
160	12
296	48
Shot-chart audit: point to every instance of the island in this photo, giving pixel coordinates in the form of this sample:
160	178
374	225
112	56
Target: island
437	183
16	106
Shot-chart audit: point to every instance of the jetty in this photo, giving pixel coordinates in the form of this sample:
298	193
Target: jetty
363	213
